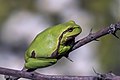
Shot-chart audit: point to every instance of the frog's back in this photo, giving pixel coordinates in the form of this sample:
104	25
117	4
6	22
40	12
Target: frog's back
46	42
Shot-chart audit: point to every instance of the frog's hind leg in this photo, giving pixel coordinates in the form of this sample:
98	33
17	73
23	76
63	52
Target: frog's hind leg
33	63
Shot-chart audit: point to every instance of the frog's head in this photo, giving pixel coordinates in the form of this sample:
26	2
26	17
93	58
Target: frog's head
72	30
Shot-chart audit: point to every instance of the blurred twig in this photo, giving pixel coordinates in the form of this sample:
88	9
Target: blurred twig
91	37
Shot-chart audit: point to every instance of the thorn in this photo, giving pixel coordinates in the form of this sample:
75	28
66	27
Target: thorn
97	40
69	59
90	31
115	35
100	76
111	74
67	56
108	76
95	71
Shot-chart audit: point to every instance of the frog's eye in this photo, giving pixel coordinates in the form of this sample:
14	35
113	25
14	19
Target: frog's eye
70	29
33	54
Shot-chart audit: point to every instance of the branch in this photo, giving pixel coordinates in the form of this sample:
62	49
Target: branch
94	36
91	37
37	76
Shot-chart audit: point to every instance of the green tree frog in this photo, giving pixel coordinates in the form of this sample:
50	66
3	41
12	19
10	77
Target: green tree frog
51	45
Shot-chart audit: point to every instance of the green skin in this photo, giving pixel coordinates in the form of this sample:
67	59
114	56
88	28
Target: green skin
51	44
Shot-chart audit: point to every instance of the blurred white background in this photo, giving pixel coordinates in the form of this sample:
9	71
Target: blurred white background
24	20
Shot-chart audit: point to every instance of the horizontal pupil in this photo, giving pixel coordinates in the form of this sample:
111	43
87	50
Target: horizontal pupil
70	30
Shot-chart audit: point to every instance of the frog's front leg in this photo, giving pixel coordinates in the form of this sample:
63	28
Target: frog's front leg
34	63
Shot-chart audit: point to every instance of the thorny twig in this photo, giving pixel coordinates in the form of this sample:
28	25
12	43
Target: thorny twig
94	36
